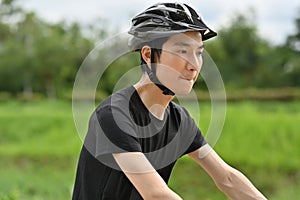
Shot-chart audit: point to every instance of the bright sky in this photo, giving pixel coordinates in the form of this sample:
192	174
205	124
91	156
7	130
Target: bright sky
274	18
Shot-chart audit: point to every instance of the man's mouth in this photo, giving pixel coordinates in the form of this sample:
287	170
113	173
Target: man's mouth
187	78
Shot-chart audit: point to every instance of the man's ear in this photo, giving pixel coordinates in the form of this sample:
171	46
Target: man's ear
146	55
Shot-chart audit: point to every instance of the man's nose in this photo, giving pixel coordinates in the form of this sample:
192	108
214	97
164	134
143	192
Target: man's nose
194	63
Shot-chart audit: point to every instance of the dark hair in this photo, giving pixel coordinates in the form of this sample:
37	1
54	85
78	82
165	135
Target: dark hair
156	48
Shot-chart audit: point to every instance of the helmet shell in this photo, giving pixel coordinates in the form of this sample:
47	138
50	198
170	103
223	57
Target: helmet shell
163	20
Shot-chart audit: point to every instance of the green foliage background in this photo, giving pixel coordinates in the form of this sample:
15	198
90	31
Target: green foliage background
39	145
41	59
39	149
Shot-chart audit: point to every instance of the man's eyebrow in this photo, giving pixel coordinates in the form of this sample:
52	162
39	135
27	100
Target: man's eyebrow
181	44
202	46
186	44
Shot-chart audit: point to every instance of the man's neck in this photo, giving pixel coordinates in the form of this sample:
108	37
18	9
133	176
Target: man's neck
153	98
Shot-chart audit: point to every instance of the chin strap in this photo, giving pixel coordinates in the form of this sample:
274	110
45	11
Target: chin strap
152	75
154	79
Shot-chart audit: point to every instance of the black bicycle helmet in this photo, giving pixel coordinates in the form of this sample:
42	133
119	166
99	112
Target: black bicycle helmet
161	21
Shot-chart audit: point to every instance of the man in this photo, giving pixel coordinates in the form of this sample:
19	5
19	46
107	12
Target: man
136	135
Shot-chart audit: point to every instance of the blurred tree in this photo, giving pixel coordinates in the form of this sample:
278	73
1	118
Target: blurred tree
247	60
36	56
10	59
39	57
4	33
59	52
292	67
293	41
9	13
117	69
239	52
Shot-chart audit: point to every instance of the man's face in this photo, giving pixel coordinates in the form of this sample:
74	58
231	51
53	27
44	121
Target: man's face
180	62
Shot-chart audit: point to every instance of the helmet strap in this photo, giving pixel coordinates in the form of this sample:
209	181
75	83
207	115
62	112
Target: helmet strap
152	75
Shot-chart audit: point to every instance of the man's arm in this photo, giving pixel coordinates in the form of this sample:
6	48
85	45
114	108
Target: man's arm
229	180
144	177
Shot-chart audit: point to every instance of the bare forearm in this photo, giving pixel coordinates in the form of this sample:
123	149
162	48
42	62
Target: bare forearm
236	186
144	177
229	180
163	195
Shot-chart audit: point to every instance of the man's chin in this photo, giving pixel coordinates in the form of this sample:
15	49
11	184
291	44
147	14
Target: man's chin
183	92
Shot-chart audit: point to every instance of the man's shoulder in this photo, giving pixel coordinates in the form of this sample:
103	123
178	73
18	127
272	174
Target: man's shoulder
179	108
117	98
115	104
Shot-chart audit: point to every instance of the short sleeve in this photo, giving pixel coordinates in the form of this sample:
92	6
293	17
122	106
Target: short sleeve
197	140
118	128
106	135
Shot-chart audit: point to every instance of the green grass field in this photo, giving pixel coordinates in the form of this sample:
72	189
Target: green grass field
39	147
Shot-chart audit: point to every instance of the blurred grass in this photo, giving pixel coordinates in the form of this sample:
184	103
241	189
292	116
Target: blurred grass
39	149
37	129
261	139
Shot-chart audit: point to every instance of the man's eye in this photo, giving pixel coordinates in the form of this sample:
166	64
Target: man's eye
199	53
182	51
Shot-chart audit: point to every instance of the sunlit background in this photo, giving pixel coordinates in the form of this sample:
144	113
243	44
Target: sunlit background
273	18
43	44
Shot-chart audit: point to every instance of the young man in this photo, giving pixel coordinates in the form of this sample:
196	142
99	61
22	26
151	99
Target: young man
136	135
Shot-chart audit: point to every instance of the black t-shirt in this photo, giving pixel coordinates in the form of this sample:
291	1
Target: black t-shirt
122	123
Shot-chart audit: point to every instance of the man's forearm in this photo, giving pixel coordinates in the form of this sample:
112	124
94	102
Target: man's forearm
236	186
229	180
